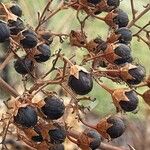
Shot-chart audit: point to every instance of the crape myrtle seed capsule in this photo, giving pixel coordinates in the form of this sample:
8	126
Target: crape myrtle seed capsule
94	136
57	135
121	19
45	53
132	102
125	35
118	127
94	2
124	52
83	85
23	65
16	10
118	54
16	26
114	3
26	117
30	39
137	74
122	35
4	32
54	107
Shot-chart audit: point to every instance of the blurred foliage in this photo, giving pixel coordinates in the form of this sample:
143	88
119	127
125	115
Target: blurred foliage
66	20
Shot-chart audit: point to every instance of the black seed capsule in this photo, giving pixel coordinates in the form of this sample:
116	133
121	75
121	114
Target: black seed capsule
23	65
94	2
26	116
53	108
83	85
58	135
118	127
132	104
16	26
16	10
4	32
29	40
124	52
47	37
96	139
114	3
138	75
45	53
121	19
125	35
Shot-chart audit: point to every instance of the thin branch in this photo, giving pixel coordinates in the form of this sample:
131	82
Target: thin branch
8	88
139	16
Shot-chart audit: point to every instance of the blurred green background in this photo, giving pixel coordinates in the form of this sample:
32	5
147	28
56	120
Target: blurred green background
66	20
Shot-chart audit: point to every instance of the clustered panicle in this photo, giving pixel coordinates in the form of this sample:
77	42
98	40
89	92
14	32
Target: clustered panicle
42	124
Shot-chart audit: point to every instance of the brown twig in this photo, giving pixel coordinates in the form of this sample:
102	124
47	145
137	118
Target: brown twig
139	16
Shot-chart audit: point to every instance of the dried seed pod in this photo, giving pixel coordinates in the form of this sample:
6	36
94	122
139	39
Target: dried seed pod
126	100
133	74
47	37
57	135
26	117
23	65
16	26
111	127
118	54
117	17
15	9
89	139
94	2
54	108
77	39
4	32
44	55
30	39
82	85
123	35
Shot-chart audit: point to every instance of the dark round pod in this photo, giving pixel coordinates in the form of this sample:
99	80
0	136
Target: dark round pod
16	26
57	147
125	35
118	127
132	104
4	32
124	52
54	108
16	10
30	40
26	117
138	75
45	53
83	85
96	139
114	3
121	19
94	2
23	65
47	37
57	135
